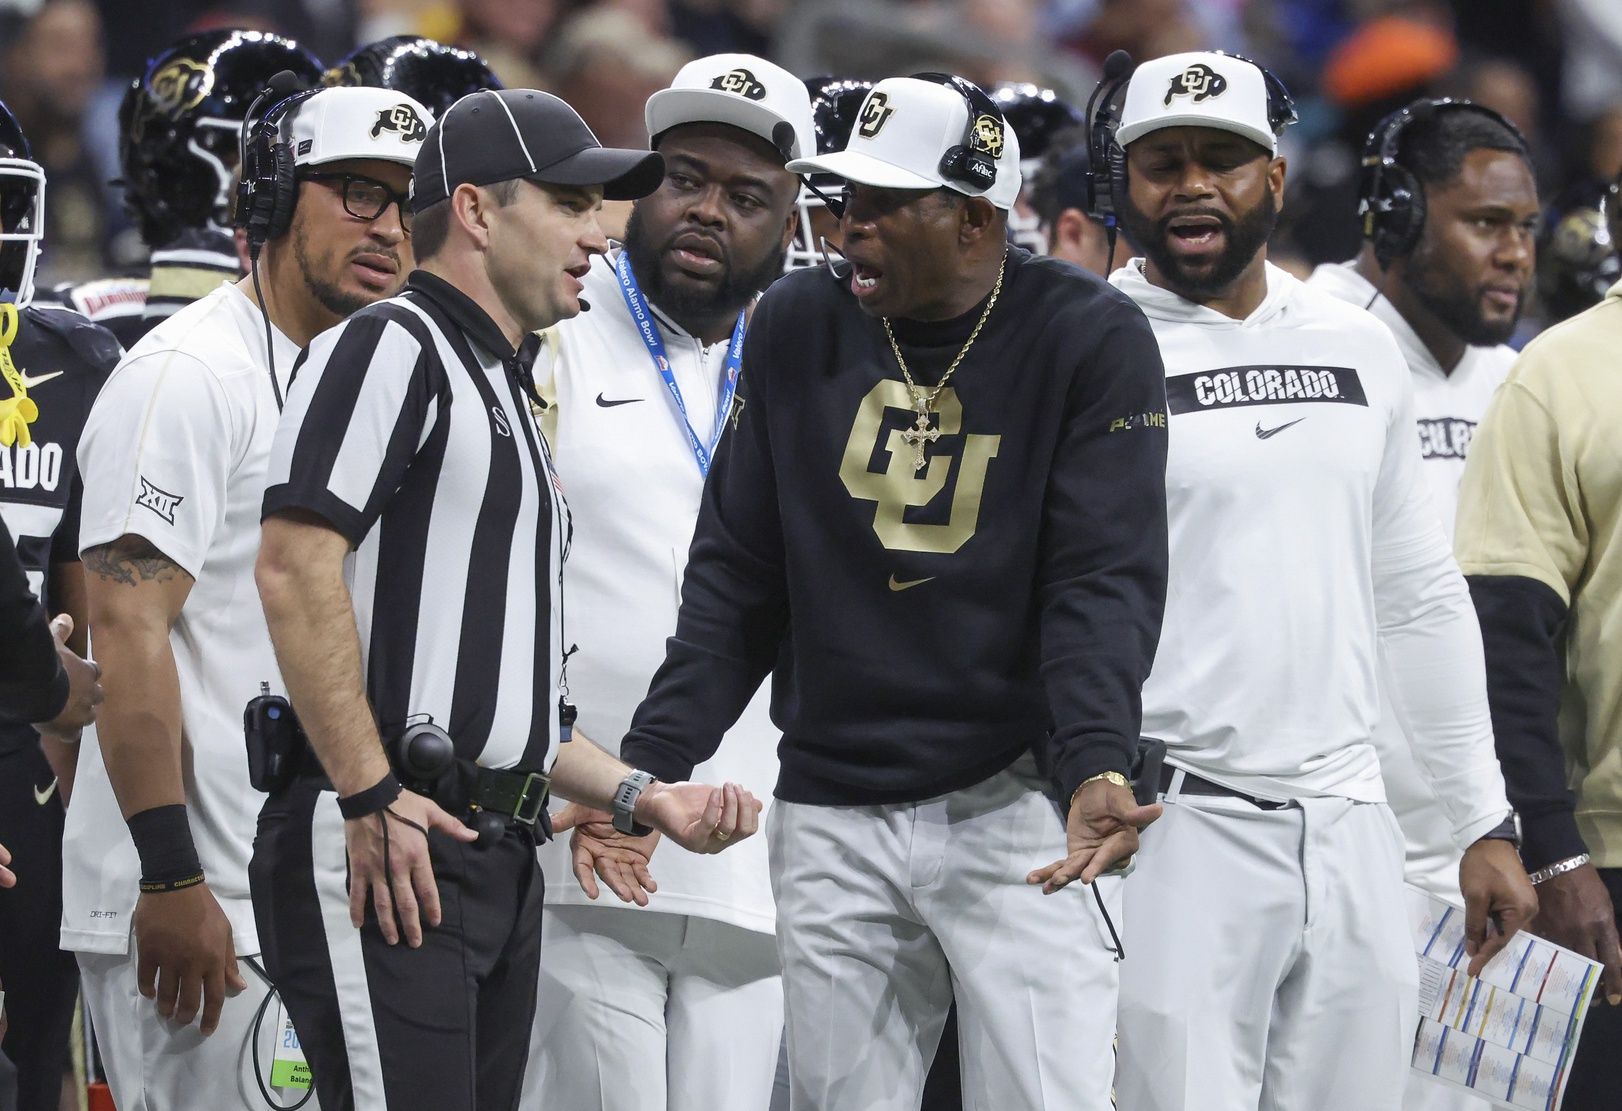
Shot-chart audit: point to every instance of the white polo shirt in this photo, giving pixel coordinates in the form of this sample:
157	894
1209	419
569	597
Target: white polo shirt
1447	408
634	487
175	451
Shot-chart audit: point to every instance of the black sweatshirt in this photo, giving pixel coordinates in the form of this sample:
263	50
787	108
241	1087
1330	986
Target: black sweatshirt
923	632
64	359
33	685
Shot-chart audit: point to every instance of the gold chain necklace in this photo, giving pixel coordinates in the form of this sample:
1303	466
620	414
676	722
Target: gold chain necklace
923	431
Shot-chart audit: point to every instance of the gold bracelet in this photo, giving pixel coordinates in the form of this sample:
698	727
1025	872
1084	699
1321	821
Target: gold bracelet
1108	777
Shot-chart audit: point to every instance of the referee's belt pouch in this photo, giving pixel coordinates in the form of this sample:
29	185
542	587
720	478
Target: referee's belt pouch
277	747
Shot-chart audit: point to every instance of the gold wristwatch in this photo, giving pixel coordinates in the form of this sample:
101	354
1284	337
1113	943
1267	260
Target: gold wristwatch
1108	777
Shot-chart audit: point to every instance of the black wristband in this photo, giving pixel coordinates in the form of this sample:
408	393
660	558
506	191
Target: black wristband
376	797
161	887
162	837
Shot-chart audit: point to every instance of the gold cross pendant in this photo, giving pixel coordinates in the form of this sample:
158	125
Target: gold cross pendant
919	435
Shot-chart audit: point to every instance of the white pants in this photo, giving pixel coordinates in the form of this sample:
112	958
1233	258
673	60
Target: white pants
154	1064
644	1011
885	912
1268	960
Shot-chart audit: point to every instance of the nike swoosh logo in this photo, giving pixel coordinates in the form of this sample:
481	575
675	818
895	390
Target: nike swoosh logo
31	382
43	797
1262	434
897	585
607	404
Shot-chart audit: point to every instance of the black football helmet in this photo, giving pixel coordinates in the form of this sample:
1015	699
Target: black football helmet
431	73
180	126
1577	253
835	103
1036	115
22	211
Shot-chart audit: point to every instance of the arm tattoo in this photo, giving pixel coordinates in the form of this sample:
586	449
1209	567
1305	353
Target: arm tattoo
130	560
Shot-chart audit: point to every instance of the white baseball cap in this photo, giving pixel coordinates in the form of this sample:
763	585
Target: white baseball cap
904	129
341	123
747	92
1197	89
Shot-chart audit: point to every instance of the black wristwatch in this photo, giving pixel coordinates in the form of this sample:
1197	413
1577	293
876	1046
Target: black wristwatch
630	789
1507	830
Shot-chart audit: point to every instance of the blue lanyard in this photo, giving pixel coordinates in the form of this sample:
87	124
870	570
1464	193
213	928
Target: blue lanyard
648	328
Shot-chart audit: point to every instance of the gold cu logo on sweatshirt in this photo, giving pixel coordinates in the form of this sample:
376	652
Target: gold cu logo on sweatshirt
898	488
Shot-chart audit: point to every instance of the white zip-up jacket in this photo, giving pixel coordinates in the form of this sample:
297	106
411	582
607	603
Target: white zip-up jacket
1303	541
634	490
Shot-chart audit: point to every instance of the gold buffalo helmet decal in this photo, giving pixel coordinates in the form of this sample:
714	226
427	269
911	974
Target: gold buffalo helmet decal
180	86
344	76
988	135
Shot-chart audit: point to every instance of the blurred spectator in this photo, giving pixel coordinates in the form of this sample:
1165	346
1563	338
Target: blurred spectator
606	63
53	65
1593	61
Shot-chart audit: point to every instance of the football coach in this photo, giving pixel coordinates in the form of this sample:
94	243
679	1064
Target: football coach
410	569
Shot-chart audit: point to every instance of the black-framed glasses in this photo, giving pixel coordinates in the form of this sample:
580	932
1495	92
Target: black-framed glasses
366	198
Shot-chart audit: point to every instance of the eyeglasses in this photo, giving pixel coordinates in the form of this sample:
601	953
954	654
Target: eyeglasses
366	198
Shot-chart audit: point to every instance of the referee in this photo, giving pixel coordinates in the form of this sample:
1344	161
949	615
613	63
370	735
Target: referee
411	497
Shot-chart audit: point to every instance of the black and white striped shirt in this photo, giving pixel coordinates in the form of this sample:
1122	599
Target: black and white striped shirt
409	430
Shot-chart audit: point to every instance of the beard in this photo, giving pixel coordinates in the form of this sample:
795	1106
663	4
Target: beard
331	296
687	303
1243	238
1451	300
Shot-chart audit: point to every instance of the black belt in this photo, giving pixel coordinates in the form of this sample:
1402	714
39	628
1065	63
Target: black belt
518	795
1194	785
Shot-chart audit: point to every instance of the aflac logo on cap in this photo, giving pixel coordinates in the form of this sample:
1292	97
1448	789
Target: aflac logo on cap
740	82
1199	81
403	120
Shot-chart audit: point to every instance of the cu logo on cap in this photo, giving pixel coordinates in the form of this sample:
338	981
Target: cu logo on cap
404	121
1199	81
740	82
876	112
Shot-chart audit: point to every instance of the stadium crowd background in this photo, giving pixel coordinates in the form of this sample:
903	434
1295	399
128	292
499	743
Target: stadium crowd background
1553	67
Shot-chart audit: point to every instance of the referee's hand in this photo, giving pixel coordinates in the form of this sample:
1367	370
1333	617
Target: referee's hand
389	863
1101	835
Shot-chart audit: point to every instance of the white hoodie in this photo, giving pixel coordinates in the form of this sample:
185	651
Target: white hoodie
1303	540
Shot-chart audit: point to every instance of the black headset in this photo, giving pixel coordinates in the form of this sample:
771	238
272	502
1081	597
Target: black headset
268	191
1106	177
973	162
1390	199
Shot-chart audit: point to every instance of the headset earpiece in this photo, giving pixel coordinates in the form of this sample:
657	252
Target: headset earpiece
973	162
1106	160
1391	200
268	191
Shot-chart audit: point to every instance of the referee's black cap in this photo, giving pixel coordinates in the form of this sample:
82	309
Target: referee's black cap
507	134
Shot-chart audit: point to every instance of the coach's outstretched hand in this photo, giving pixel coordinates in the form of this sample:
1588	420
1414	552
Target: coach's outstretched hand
1102	835
697	817
389	863
1495	889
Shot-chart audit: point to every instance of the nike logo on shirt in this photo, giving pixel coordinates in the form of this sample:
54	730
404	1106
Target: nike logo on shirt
30	381
896	585
1262	434
43	797
607	404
